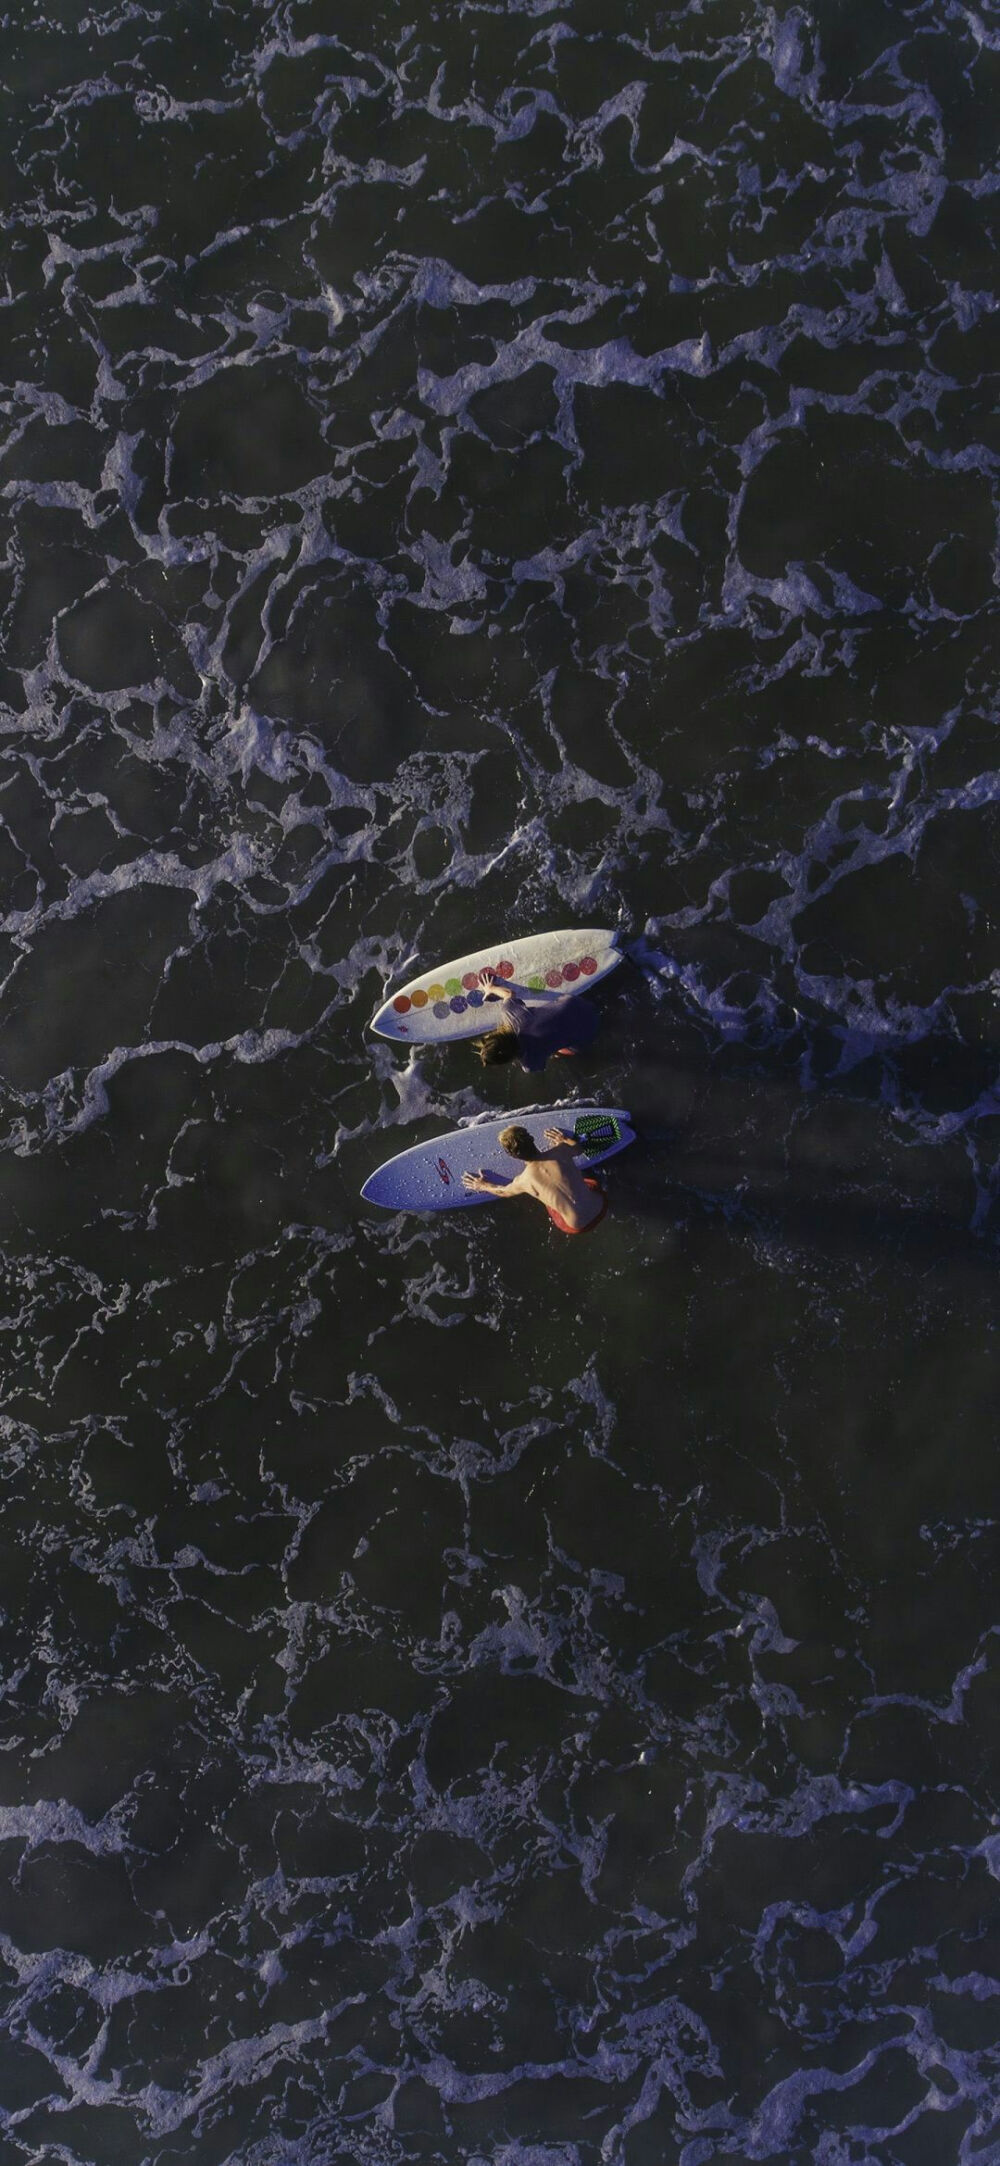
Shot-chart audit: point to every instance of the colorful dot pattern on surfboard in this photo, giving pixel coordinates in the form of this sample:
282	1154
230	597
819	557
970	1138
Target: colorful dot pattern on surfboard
452	996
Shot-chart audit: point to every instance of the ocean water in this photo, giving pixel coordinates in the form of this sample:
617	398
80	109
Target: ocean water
471	1698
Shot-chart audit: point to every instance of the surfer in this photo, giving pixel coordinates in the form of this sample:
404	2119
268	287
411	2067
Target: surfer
533	1031
575	1202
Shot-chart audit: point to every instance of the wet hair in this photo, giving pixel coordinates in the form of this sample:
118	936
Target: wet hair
498	1045
518	1142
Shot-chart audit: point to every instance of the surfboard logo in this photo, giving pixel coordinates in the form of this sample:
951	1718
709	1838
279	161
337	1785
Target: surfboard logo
445	1172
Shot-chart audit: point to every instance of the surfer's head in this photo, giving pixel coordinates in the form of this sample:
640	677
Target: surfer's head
518	1142
498	1045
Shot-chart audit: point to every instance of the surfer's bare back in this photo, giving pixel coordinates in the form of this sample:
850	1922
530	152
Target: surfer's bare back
575	1202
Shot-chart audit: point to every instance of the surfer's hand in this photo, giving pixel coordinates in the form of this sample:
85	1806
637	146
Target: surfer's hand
490	1184
558	1135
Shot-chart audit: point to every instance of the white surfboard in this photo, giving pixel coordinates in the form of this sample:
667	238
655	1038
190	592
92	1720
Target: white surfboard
448	1002
429	1177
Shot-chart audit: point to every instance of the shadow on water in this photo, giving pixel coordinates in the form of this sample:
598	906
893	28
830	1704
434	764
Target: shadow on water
866	1165
895	1154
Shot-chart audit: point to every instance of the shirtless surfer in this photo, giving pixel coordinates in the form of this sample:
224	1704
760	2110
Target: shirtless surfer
575	1202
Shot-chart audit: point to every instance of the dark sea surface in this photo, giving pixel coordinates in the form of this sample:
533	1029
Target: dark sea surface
472	1698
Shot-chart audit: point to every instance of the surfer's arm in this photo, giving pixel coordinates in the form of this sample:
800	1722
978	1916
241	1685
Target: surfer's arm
560	1139
523	996
492	1184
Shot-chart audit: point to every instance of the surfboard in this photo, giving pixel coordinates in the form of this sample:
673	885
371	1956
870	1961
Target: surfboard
429	1177
448	1002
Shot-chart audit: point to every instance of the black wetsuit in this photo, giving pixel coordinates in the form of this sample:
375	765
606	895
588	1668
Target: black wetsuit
543	1029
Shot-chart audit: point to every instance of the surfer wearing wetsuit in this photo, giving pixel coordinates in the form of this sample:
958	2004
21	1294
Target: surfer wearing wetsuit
534	1031
575	1202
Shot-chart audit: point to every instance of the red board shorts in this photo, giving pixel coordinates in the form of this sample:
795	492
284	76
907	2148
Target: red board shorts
559	1222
